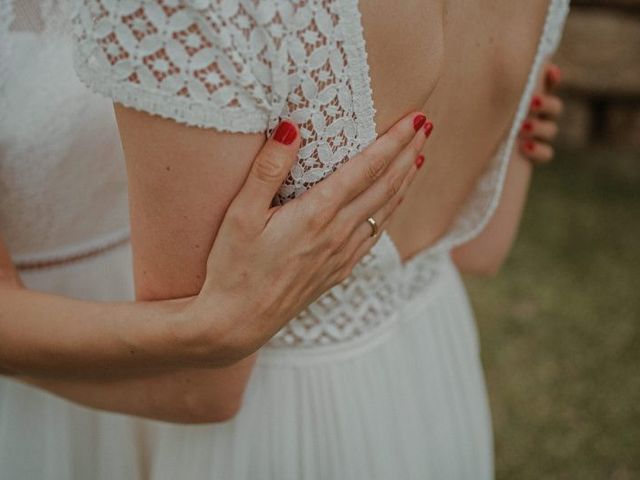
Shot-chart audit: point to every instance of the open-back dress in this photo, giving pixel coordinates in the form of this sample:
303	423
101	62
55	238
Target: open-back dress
380	378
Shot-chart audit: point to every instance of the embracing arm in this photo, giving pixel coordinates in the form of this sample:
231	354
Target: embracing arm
485	254
298	251
181	181
55	336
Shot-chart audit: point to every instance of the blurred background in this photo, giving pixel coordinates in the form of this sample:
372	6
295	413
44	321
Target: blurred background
560	325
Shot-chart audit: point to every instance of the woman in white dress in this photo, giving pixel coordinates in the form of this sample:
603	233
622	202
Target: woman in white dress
380	377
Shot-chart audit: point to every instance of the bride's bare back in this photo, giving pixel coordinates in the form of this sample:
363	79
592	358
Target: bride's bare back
466	63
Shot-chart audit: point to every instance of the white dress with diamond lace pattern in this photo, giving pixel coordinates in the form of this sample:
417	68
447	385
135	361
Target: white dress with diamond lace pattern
379	378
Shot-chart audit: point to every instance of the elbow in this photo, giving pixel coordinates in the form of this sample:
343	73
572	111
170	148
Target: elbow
487	266
217	414
193	407
199	410
220	414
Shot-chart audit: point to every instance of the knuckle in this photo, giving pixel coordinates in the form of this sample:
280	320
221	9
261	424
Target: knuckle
397	139
375	167
318	217
393	186
324	198
269	168
236	219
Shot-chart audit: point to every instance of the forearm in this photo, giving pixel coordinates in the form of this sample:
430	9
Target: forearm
187	395
485	254
47	335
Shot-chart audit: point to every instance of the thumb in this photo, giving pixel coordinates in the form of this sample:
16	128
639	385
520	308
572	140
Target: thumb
269	170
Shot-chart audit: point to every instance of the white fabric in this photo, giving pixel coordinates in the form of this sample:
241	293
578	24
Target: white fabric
408	403
265	61
380	378
62	176
43	437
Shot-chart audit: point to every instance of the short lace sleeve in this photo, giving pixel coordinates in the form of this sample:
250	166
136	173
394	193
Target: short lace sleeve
207	63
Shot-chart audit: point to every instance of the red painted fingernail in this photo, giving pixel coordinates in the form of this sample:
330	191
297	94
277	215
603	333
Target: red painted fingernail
555	73
419	161
527	126
428	128
536	102
286	133
418	122
530	146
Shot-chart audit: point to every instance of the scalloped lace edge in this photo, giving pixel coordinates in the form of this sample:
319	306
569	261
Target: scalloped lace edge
179	110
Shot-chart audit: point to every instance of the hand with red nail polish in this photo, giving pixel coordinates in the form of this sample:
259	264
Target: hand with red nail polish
326	229
541	125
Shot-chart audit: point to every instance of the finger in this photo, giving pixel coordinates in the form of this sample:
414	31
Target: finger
363	230
363	239
363	170
384	213
552	78
539	129
537	152
269	170
549	106
350	261
386	187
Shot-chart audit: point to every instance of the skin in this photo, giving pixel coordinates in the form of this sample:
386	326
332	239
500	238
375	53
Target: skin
132	357
179	193
485	254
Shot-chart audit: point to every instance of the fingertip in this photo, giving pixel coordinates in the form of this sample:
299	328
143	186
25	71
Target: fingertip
419	120
536	103
554	74
530	145
286	133
428	129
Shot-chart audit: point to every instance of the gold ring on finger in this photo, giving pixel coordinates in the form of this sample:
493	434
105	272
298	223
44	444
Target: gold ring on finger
374	226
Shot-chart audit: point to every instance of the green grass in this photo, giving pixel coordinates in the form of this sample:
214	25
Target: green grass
560	327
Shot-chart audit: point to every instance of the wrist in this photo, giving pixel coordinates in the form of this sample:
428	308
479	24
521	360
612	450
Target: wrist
201	331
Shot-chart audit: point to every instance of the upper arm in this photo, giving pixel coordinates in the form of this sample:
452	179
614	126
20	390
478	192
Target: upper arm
170	71
181	181
176	63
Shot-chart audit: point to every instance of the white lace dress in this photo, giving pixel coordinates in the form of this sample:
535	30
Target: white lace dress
380	378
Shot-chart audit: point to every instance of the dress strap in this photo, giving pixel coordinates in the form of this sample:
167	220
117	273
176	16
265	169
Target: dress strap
484	200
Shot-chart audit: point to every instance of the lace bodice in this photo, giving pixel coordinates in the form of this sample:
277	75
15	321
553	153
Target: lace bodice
241	66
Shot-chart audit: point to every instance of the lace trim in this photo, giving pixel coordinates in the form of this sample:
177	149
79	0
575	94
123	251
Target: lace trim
181	110
310	63
470	223
358	66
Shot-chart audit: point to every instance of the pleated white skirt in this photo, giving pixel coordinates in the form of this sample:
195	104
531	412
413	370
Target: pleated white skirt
43	437
407	402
